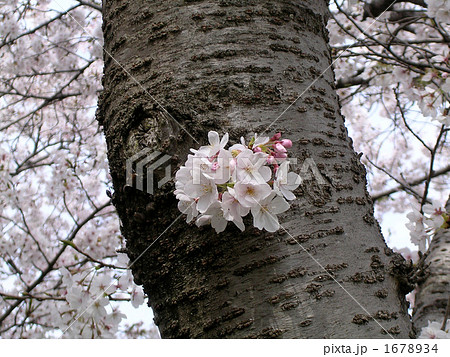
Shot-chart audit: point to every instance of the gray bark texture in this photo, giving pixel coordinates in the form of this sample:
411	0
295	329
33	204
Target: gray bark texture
433	292
234	66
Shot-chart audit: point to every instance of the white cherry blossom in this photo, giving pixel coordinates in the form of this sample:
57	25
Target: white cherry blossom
137	297
286	181
232	209
433	331
102	284
188	206
423	226
250	194
250	167
215	144
214	216
260	140
205	192
265	213
435	212
97	309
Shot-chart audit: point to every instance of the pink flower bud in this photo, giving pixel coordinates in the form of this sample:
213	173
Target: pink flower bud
280	155
271	160
286	143
257	149
279	148
276	137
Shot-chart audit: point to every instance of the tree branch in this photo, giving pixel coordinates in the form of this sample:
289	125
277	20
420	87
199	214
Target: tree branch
52	263
90	4
61	14
416	182
375	8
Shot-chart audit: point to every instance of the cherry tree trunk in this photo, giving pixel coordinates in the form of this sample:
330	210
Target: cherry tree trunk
181	68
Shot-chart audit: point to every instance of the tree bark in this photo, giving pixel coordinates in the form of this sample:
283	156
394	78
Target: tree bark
234	66
433	292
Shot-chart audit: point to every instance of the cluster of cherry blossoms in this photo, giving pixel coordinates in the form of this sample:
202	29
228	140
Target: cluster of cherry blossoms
90	310
218	185
439	9
434	330
423	226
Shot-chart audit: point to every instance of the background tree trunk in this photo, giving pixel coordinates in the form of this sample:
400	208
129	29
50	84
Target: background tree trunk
235	66
433	292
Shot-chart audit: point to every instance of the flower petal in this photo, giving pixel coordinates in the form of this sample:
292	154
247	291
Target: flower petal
279	205
213	137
